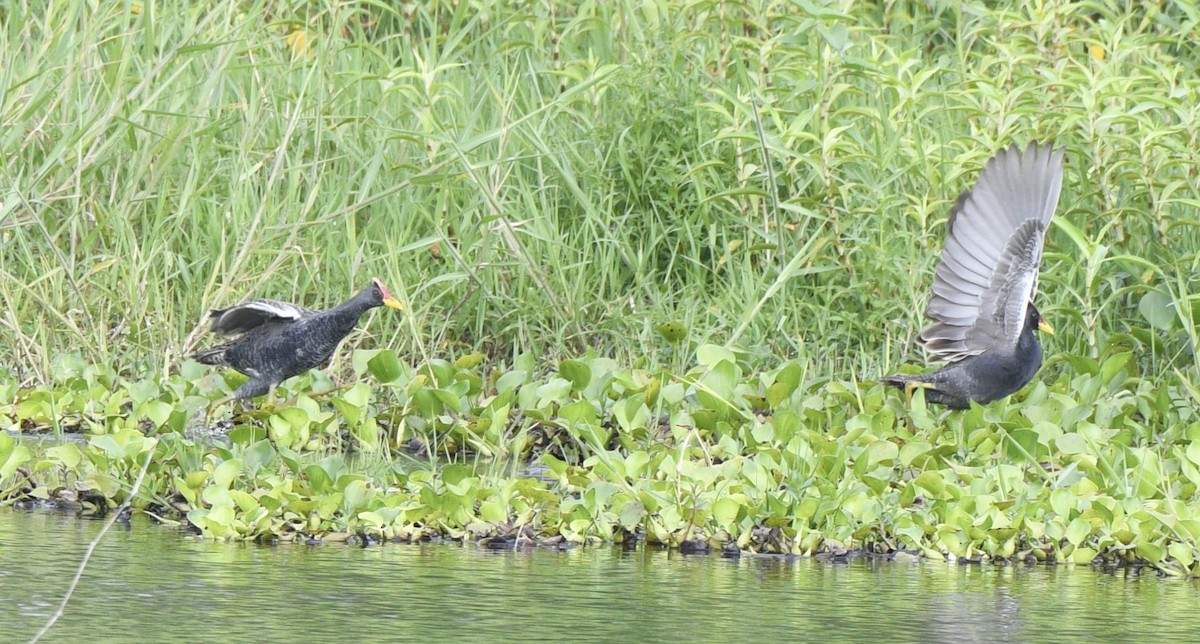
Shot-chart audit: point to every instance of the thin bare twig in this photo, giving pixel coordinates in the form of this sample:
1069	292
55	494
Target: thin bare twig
62	607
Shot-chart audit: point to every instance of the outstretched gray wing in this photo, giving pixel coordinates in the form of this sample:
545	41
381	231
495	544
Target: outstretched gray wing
989	268
243	317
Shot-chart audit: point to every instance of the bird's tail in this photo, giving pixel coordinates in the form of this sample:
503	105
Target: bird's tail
211	355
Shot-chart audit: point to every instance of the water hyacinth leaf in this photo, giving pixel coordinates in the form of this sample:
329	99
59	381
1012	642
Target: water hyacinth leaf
580	411
673	332
510	381
710	355
1072	444
385	366
13	457
198	517
635	463
142	391
1083	364
705	419
577	372
244	500
1114	365
367	434
374	519
1193	452
354	495
789	376
915	454
257	456
777	394
1151	552
672	394
440	371
156	411
716	389
725	511
455	474
247	434
67	454
757	403
631	414
1158	309
598	494
226	472
882	452
593	435
493	511
470	360
108	444
919	412
1078	530
651	390
215	495
555	465
1083	556
425	404
1062	501
554	391
631	515
932	483
1021	444
358	395
318	478
1182	552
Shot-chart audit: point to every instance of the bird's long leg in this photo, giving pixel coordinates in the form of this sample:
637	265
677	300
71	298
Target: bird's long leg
911	387
312	394
212	406
326	392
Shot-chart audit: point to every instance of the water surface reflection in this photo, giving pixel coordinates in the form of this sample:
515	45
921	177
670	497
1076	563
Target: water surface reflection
150	584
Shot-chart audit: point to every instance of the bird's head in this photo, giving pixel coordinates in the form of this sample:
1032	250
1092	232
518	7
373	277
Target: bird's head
1033	320
383	296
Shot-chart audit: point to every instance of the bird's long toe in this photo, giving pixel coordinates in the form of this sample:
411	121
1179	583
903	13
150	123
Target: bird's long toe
911	386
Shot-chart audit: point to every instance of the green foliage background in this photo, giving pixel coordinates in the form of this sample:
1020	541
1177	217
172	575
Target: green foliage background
553	177
545	184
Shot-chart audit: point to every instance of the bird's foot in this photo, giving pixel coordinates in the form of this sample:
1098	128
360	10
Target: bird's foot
212	407
911	387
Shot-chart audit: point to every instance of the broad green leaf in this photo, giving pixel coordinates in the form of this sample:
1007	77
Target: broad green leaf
710	355
1158	309
725	511
385	366
227	472
577	372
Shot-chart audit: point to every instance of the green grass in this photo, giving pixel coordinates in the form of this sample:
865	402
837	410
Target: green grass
546	181
558	180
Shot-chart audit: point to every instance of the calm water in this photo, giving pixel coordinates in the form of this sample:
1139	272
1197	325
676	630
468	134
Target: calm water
147	583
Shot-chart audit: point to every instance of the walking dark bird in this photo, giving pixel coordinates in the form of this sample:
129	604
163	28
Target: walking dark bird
983	291
274	340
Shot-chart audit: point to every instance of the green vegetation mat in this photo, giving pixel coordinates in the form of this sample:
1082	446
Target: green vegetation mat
654	256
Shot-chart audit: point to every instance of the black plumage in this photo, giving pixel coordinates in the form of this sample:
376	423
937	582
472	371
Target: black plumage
276	340
983	290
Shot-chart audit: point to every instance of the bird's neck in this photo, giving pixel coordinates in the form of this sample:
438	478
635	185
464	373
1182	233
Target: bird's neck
1028	345
348	312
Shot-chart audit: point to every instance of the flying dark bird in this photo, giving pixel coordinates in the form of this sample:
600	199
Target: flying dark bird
274	341
982	303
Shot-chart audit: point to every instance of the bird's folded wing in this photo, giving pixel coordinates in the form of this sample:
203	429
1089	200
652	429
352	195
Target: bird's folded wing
988	270
241	318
